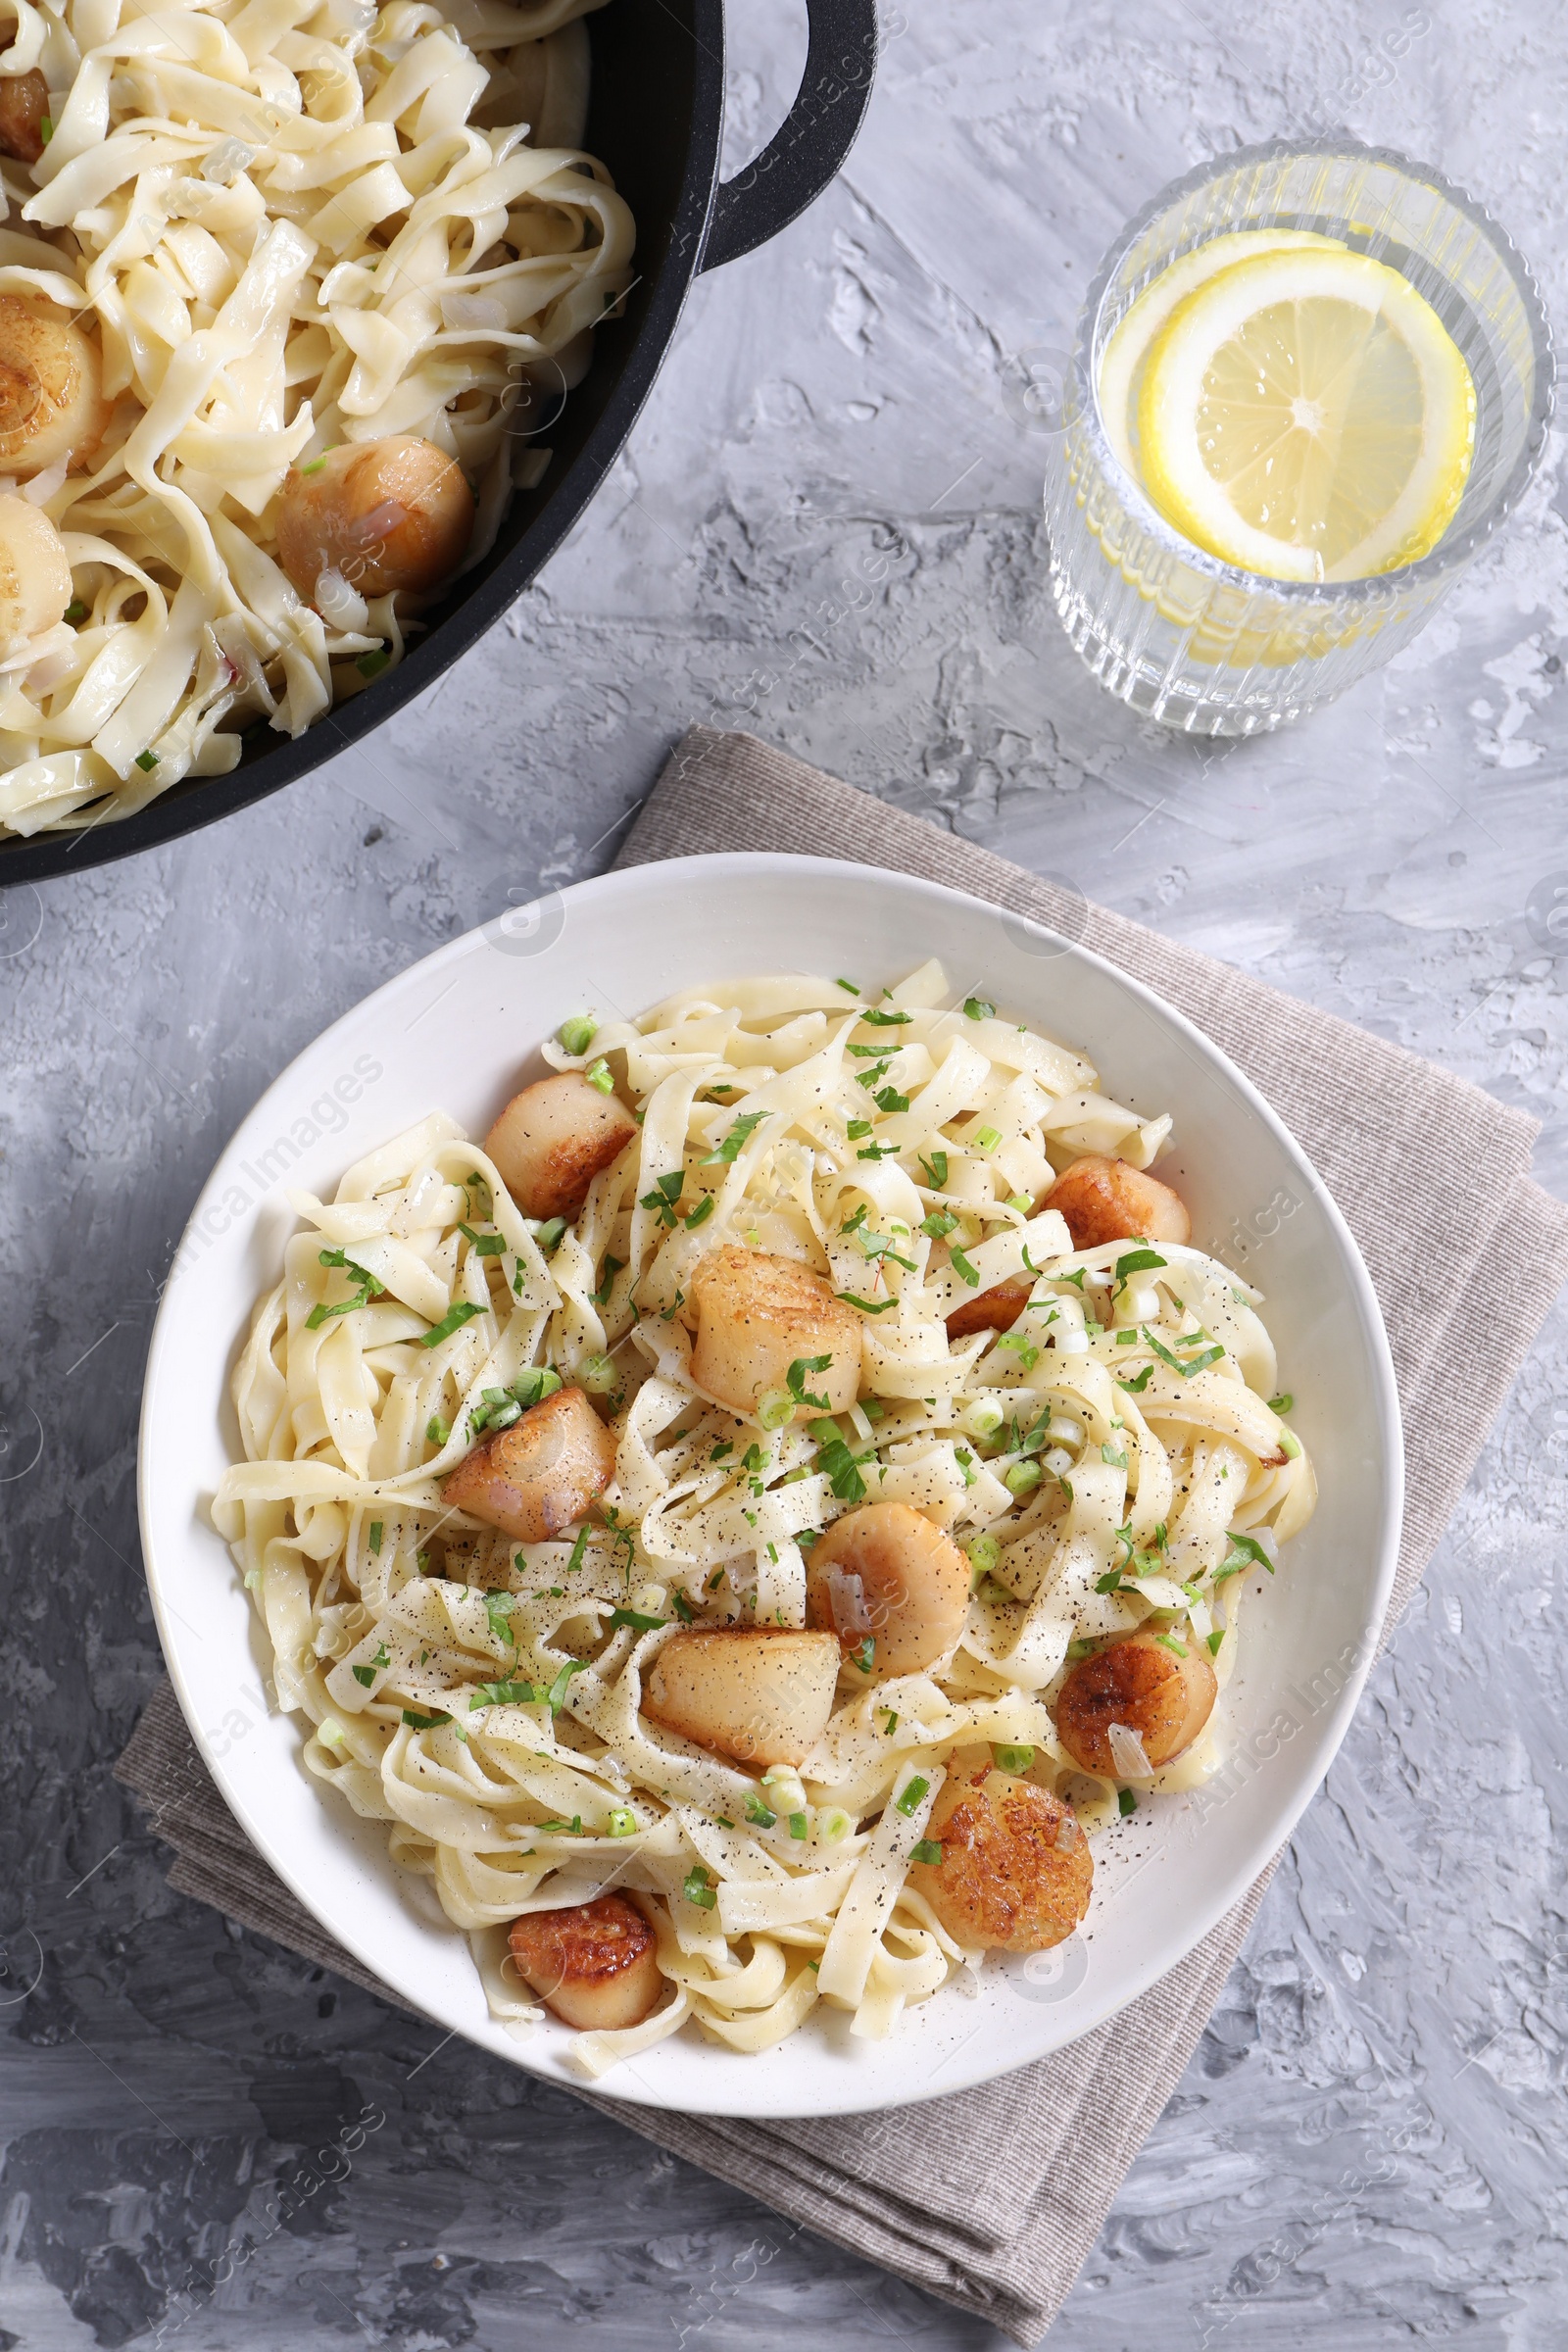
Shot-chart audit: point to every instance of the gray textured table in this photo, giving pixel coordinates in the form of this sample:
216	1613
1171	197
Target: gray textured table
825	527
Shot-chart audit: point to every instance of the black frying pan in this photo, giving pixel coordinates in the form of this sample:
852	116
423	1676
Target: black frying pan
656	117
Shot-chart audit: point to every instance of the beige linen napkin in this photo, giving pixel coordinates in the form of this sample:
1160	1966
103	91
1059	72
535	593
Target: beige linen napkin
992	2198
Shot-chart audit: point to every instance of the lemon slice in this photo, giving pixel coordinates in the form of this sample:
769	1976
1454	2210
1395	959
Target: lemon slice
1307	416
1121	368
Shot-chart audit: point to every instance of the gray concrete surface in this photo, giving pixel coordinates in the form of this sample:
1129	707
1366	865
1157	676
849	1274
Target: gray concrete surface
1368	2151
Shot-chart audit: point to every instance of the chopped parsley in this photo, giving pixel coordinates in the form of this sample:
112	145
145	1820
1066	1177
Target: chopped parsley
890	1100
978	1008
1136	1261
856	1128
962	1265
368	1286
483	1245
635	1619
460	1311
729	1150
1108	1453
863	1654
841	1466
935	1169
1139	1382
504	1694
890	1724
926	1849
665	1197
867	1306
875	1019
1245	1552
939	1224
423	1723
878	1151
497	1608
701	1213
613	1266
796	1378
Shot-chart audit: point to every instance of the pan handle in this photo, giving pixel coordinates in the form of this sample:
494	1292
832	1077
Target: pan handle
811	143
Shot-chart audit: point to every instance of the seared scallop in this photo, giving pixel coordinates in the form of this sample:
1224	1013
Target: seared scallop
540	1475
1106	1200
51	388
1015	1872
760	1318
552	1140
594	1964
886	1574
757	1693
380	515
995	1309
1159	1688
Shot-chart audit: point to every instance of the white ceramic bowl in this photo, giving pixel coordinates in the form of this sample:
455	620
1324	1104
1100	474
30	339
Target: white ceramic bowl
454	1032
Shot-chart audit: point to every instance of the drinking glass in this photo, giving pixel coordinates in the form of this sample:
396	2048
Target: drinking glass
1200	643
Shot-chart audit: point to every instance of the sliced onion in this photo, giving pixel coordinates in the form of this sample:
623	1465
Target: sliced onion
43	486
1128	1753
846	1597
380	522
341	606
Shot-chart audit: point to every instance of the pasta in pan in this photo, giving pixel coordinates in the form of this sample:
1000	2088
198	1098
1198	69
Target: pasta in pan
287	289
748	1526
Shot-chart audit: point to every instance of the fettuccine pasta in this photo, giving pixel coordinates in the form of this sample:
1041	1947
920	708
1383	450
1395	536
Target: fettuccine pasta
548	1722
287	290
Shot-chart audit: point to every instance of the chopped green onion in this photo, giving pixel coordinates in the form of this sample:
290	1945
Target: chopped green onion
597	1374
46	130
977	1008
800	1825
1214	1640
914	1790
757	1812
1178	1649
849	985
890	1724
598	1074
1126	1802
376	1535
1290	1444
927	1850
315	465
1020	1201
623	1822
147	761
437	1430
983	1553
578	1032
988	1138
75	611
1281	1405
863	1655
549	1236
775	1407
371	664
1021	1477
697	1888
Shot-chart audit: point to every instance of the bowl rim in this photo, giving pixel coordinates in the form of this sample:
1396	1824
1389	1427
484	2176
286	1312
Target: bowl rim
1430	572
598	896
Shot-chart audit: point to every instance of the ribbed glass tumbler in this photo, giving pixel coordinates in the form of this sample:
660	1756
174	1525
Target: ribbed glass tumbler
1198	643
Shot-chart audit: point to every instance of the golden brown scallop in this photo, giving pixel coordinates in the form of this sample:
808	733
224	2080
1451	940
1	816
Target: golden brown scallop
1106	1200
595	1964
1145	1683
755	1693
757	1315
995	1309
385	514
885	1572
23	107
540	1475
51	388
1015	1872
552	1140
34	575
